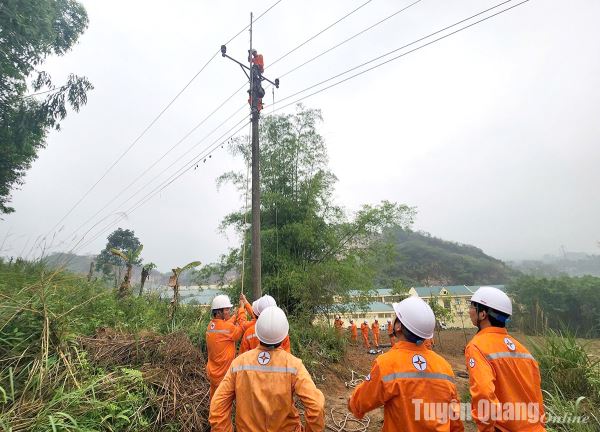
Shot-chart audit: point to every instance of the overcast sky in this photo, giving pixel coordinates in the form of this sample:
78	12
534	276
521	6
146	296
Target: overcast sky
492	133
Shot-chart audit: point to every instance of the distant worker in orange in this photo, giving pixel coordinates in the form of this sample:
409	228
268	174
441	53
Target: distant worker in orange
222	333
502	373
375	329
353	332
264	383
249	339
256	59
338	324
257	67
390	332
410	381
364	328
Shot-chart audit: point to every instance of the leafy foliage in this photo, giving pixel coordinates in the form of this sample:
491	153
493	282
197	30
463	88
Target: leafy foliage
31	31
311	252
122	240
556	303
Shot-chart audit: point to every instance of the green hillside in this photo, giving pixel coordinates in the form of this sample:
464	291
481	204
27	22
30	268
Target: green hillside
421	259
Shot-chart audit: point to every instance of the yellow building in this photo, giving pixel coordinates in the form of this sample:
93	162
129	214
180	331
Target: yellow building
455	298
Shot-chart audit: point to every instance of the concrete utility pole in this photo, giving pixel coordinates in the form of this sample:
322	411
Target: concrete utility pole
256	92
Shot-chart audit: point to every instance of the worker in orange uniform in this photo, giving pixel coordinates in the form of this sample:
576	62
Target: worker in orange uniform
353	332
222	333
339	325
409	377
364	328
375	329
264	382
390	332
257	67
256	59
249	339
502	373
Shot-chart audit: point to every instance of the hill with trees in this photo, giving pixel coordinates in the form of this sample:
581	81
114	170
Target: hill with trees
421	259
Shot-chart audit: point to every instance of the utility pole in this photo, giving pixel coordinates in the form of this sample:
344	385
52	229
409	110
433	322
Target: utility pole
256	92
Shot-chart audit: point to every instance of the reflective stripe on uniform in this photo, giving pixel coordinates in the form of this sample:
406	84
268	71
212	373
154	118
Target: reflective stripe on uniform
426	375
252	336
508	354
280	369
218	331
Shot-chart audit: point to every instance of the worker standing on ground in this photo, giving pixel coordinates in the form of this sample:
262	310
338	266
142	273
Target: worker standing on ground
375	328
390	332
501	370
409	377
364	328
353	332
264	382
249	339
222	333
339	325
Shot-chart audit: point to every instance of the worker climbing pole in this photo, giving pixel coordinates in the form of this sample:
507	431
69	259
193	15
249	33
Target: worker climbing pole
254	72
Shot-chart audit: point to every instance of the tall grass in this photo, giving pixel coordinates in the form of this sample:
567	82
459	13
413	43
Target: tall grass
570	380
46	380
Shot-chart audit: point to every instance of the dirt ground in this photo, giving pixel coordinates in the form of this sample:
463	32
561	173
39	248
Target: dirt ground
332	382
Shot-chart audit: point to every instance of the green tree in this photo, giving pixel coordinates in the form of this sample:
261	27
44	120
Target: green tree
312	253
556	303
110	265
30	31
129	258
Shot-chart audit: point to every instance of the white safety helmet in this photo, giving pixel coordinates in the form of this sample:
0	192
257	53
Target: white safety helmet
337	317
255	307
221	302
416	316
265	302
366	322
272	326
493	298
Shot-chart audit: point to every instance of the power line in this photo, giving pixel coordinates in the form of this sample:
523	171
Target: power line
220	106
158	161
152	123
396	57
321	32
165	184
350	38
387	61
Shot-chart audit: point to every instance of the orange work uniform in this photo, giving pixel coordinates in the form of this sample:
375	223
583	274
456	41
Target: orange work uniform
221	337
364	328
502	371
390	331
375	328
403	380
250	341
259	61
339	325
353	332
266	381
